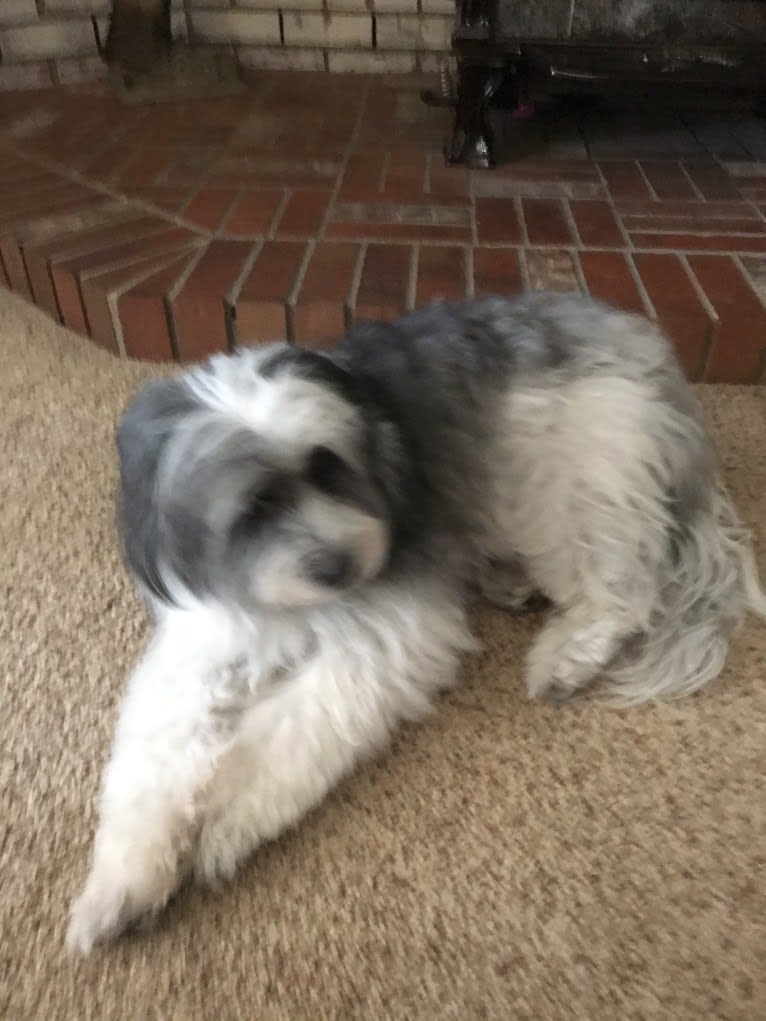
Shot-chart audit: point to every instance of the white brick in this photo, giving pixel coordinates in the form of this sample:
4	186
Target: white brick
439	7
16	12
405	32
178	27
237	26
80	69
285	5
370	62
283	59
375	6
327	29
432	63
77	6
26	76
49	39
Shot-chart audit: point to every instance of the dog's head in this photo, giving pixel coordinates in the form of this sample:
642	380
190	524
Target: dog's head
266	478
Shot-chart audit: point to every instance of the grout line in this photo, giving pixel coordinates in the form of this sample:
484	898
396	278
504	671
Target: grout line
737	259
470	287
649	308
686	173
571	222
519	210
384	172
412	279
340	175
578	270
231	296
524	270
113	298
427	174
287	194
649	185
353	290
715	320
570	20
107	190
609	198
292	297
218	230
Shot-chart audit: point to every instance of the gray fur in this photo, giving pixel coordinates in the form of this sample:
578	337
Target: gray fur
445	462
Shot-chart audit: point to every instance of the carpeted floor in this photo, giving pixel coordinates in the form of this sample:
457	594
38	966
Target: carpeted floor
508	861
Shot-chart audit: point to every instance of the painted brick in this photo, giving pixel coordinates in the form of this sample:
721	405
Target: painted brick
668	179
497	221
596	223
624	179
384	286
77	6
546	223
303	214
267	59
25	76
552	270
711	179
261	305
199	309
320	307
237	26
49	40
608	277
738	348
679	308
689	210
496	271
376	6
441	273
144	317
410	32
700	225
370	62
343	30
284	5
17	12
252	213
702	242
80	69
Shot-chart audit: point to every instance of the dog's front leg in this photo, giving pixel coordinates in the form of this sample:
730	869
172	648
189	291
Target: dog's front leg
340	707
177	718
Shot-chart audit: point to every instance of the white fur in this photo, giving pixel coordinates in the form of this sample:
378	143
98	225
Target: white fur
591	482
232	729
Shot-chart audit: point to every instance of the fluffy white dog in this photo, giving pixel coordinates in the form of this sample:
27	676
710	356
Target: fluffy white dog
308	528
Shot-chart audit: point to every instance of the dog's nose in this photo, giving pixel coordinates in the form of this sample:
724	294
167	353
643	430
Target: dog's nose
332	568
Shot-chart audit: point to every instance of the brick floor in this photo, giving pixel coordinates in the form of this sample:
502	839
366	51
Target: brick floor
172	231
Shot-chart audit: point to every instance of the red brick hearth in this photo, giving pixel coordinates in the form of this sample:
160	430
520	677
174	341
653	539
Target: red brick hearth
174	230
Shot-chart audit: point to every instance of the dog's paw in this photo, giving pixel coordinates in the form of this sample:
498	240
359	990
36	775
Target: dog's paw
109	906
100	914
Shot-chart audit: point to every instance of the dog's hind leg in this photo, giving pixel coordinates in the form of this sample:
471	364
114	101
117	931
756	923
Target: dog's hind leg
505	583
573	649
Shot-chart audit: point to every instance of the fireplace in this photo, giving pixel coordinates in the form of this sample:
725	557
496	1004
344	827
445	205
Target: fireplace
511	48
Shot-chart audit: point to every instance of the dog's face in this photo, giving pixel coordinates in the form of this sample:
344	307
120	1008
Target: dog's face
266	478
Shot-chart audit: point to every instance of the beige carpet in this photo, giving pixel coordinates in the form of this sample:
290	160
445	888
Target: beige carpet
507	861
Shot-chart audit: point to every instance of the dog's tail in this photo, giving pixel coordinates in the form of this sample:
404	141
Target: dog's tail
711	584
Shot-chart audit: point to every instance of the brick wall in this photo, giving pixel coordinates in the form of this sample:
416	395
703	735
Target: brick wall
44	42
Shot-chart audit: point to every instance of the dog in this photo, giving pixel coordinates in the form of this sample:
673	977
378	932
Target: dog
309	527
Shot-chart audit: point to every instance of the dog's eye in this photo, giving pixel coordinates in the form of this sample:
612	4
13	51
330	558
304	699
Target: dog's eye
325	470
264	503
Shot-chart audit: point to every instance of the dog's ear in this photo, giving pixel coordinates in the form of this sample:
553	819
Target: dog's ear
142	441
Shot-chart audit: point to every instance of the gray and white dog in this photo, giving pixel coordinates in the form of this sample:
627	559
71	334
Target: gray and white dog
309	527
